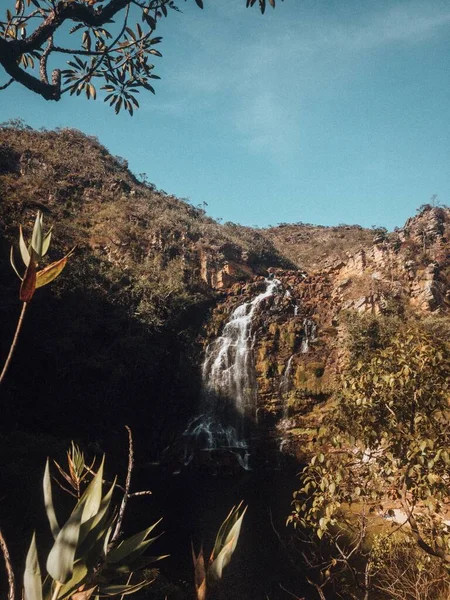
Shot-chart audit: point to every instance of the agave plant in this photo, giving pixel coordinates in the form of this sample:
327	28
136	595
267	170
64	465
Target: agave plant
85	559
224	547
32	278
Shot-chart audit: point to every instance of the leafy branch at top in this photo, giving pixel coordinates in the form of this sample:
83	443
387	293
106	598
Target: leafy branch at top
115	55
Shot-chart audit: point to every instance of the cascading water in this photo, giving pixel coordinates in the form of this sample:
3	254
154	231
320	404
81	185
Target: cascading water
309	334
229	387
285	379
228	365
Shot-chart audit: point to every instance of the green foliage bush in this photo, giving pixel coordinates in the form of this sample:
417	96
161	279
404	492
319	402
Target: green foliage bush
385	444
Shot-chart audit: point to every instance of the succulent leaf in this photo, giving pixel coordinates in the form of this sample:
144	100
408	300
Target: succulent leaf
46	241
60	561
131	545
223	534
226	542
48	500
51	272
32	581
28	286
235	530
117	590
23	248
36	238
92	527
92	496
13	264
79	576
216	567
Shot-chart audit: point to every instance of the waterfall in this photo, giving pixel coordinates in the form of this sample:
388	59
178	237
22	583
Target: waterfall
284	382
229	386
309	334
228	366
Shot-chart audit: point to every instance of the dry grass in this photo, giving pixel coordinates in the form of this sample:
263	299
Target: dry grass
312	247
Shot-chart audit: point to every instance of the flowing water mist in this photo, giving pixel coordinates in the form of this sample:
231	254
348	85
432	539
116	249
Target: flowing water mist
229	387
309	334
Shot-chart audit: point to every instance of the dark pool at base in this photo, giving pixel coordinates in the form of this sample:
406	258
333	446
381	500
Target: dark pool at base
195	504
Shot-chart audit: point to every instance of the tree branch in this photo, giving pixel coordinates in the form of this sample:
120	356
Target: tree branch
7	84
44	59
126	494
73	11
8	60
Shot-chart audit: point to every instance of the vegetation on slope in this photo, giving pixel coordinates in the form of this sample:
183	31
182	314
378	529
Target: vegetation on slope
117	332
312	247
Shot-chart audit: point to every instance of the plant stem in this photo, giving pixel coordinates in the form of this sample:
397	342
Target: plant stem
9	569
126	493
14	342
58	586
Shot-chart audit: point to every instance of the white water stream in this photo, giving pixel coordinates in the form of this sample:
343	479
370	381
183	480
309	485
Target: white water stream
228	366
229	386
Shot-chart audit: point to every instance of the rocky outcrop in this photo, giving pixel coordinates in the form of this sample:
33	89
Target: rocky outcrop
299	333
221	267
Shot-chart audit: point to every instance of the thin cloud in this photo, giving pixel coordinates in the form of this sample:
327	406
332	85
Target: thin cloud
257	85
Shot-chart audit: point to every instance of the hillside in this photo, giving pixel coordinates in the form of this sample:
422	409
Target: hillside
124	320
314	247
120	337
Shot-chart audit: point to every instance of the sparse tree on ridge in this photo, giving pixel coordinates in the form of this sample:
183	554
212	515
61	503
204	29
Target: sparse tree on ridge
114	44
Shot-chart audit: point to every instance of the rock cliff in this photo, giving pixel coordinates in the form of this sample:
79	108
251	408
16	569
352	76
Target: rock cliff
154	280
300	334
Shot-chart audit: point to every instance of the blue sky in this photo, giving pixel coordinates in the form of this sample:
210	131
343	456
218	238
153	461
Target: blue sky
321	111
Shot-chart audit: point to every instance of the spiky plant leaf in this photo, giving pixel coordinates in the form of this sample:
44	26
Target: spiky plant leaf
140	549
91	529
131	545
124	590
216	567
46	241
36	237
28	285
234	532
199	574
79	576
13	264
223	558
92	496
224	530
113	572
51	272
23	248
32	582
60	561
95	547
48	501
